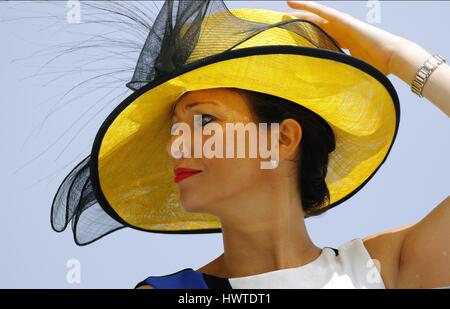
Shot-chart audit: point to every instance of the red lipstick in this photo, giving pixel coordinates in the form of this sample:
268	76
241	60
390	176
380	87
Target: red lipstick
183	173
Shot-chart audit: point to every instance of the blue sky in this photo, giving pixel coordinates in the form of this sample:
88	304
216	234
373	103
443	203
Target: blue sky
412	181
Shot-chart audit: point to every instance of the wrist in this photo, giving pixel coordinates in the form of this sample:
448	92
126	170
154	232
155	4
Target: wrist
406	59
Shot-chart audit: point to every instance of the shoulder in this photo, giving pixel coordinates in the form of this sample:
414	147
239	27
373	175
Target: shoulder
385	249
416	255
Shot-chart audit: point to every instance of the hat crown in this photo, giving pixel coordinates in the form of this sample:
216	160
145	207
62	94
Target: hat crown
187	31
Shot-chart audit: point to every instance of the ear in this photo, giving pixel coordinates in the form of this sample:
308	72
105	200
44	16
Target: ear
290	137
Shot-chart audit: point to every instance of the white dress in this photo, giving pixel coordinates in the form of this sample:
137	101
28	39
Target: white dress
347	267
351	268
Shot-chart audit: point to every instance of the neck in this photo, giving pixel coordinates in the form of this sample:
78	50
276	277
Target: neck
264	232
252	251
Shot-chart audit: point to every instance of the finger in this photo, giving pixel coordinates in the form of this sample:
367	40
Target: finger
319	21
318	9
310	17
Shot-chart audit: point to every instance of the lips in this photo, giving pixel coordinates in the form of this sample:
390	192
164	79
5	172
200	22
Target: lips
183	173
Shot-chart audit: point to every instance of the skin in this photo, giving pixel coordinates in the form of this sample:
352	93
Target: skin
412	256
247	189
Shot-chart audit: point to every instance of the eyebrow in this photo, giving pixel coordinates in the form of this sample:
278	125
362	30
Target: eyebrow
174	113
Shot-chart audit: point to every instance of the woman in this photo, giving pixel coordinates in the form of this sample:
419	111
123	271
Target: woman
277	245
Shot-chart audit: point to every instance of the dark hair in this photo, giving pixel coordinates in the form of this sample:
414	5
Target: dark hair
317	142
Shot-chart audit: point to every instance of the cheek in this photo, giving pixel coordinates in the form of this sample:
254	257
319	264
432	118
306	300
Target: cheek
232	175
221	179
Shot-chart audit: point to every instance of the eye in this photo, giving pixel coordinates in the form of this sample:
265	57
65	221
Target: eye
206	118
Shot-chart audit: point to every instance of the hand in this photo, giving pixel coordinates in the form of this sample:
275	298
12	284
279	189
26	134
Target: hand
364	41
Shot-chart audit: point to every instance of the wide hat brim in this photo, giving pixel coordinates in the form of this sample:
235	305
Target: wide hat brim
132	173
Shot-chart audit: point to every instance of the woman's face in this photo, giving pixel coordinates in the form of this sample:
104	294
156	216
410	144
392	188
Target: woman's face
220	179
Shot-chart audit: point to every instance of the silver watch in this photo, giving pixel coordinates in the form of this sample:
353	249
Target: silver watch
424	72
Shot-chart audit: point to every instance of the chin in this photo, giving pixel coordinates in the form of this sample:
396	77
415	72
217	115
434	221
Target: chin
191	204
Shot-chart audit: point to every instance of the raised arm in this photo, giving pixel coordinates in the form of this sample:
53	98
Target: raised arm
417	255
407	59
387	52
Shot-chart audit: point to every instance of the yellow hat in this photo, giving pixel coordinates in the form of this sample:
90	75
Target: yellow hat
260	50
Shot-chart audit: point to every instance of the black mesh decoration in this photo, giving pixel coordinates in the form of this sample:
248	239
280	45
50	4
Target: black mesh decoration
166	49
75	201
